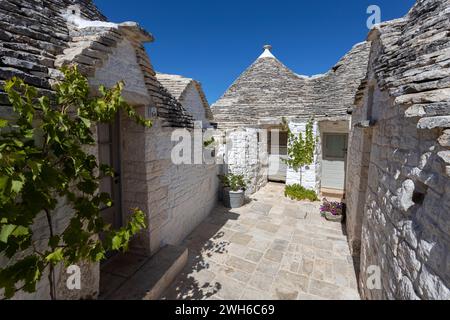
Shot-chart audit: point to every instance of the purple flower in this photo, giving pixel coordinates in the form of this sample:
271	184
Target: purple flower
335	208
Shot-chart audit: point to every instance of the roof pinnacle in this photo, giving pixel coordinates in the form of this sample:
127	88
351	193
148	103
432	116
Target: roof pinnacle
267	53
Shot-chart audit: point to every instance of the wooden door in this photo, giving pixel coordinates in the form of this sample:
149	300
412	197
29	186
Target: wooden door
109	154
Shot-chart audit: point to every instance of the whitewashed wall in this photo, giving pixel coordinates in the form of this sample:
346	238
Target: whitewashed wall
244	155
308	176
123	66
176	197
90	271
120	65
193	104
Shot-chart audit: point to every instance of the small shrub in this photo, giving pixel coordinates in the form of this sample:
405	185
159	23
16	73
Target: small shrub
297	192
234	182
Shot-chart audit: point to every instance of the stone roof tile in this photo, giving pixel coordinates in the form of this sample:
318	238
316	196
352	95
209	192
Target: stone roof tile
177	86
32	46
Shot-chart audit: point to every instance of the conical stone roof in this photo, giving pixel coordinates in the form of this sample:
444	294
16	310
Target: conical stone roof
268	91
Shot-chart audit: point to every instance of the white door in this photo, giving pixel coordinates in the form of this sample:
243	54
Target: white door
277	153
334	160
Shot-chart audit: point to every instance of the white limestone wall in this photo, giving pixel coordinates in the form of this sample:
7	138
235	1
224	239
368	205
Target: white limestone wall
90	272
398	189
176	197
246	154
407	238
193	104
308	176
360	145
122	65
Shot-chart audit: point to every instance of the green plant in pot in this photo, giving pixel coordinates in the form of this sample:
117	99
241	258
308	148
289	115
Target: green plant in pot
234	187
333	211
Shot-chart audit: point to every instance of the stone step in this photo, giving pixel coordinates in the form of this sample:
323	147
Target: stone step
332	194
153	277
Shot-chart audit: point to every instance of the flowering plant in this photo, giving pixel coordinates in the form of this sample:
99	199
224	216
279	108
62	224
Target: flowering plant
335	208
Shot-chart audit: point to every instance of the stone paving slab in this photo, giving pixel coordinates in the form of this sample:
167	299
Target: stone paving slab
272	248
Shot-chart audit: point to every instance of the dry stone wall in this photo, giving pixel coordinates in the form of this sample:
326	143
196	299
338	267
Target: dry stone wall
360	145
404	152
245	153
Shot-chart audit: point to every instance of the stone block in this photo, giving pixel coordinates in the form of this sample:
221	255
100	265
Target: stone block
444	139
434	122
154	276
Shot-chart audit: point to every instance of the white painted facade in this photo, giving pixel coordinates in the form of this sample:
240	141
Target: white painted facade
179	196
192	102
123	66
245	153
334	138
308	176
246	156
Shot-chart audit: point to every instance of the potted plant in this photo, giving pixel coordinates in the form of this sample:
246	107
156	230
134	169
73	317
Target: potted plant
332	211
234	187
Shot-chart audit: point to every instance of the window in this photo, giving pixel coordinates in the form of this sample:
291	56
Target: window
335	146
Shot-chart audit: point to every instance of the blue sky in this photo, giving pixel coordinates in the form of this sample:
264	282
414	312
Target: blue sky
215	41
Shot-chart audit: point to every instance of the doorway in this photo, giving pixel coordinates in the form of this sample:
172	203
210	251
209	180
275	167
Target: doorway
334	161
109	154
278	153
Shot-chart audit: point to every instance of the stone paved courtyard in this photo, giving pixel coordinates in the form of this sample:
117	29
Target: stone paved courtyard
272	248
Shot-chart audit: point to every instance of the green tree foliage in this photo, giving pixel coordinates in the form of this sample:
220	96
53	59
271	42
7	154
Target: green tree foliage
301	148
44	162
